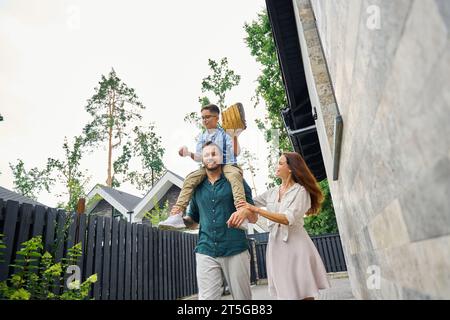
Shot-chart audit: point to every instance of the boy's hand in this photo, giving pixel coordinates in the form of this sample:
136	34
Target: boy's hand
234	132
183	152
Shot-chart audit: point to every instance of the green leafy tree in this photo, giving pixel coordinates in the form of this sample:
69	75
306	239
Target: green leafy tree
157	214
113	107
270	86
2	248
247	163
92	201
69	173
270	83
221	80
271	90
31	182
194	119
148	147
325	221
121	164
1	117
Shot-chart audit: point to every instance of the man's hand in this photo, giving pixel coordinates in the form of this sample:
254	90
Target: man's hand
253	211
183	151
237	218
189	222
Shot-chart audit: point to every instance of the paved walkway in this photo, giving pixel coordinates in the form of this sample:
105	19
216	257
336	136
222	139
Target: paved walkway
340	289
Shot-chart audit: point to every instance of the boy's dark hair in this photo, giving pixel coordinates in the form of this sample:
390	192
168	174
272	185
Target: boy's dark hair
212	108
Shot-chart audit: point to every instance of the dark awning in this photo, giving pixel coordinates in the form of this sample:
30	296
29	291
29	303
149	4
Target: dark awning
298	116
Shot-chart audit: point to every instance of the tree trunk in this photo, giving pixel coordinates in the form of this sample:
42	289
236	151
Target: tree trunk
109	179
253	179
153	178
110	133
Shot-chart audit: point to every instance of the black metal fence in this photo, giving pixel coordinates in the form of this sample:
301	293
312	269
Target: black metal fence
329	247
132	261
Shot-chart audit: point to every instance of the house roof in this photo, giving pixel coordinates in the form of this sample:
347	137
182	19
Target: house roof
298	116
176	175
127	200
6	195
127	203
158	191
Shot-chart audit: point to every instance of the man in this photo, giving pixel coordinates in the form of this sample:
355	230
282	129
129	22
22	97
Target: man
222	247
229	147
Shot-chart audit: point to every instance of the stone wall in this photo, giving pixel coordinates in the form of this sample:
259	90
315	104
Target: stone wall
389	67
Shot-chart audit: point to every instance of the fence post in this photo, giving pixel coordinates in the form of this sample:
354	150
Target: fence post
81	208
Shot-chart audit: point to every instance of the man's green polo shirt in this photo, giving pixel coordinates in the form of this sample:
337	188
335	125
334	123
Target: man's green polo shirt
212	206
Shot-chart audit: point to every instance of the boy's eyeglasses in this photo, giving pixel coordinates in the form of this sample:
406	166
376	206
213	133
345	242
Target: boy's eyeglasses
208	117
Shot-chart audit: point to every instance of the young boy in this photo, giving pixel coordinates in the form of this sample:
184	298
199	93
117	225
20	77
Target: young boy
230	150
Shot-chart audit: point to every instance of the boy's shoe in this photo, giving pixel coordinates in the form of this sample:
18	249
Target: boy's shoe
234	117
173	222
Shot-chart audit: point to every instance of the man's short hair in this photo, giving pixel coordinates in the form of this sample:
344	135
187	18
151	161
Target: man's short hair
210	143
211	108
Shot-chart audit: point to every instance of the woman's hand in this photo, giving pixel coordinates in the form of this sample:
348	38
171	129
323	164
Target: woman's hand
248	206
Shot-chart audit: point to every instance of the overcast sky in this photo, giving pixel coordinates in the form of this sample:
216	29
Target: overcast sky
53	53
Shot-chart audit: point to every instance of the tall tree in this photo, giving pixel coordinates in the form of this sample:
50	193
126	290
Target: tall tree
325	222
68	173
113	107
1	117
247	163
31	182
148	147
221	80
270	86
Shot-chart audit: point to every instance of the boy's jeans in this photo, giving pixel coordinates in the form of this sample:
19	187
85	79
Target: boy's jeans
233	173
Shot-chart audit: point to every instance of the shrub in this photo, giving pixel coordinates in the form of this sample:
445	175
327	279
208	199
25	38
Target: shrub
38	277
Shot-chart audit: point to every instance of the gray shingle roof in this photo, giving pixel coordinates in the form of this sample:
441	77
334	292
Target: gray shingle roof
127	200
6	195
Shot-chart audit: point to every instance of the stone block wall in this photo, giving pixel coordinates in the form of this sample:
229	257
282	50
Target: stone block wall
389	66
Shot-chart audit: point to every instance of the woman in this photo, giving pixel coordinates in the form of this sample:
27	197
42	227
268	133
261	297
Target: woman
294	267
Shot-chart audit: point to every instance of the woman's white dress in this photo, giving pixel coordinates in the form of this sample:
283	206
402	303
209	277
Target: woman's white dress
294	267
